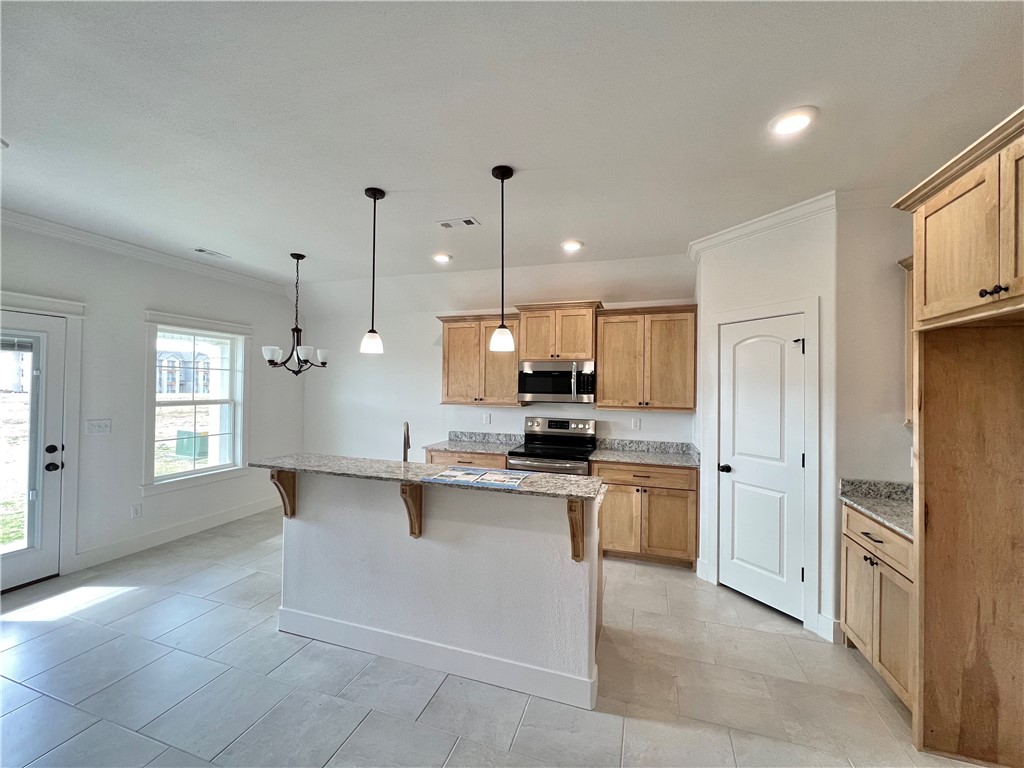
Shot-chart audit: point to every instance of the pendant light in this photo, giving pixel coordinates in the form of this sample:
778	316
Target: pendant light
502	339
372	343
300	353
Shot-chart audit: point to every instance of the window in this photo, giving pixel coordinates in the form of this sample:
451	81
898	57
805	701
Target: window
195	424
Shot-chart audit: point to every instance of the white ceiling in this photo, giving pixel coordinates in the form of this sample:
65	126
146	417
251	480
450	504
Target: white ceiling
252	128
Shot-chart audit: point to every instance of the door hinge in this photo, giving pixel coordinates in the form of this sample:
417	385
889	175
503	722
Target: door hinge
803	461
801	574
32	495
803	345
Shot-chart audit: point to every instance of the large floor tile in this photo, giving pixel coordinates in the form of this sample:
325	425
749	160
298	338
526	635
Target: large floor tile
216	628
247	592
146	694
655	738
248	553
470	754
14	632
14	695
305	729
393	686
616	569
103	745
217	714
118	602
383	739
650	597
268	563
754	751
322	667
262	649
175	758
671	635
82	676
726	696
557	734
268	607
836	666
673	576
160	618
639	677
754	651
481	712
201	583
716	605
755	615
45	651
46	599
34	729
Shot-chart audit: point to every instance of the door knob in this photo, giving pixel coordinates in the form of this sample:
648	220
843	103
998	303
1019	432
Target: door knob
52	467
51	448
724	468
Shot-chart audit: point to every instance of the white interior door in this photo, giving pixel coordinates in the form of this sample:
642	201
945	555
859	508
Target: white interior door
31	454
761	445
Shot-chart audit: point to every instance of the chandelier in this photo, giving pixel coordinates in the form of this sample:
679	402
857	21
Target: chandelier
301	355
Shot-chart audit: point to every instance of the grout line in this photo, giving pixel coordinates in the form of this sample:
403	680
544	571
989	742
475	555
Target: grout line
732	746
520	723
420	714
451	751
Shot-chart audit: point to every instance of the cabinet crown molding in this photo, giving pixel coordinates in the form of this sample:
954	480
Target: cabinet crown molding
985	147
668	309
596	304
482	317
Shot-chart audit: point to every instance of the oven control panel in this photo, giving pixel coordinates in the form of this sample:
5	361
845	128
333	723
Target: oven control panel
536	425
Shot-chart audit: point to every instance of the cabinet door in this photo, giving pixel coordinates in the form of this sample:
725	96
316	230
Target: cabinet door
956	244
620	518
460	373
1011	219
451	459
670	344
858	591
668	523
537	335
891	641
499	371
620	367
574	334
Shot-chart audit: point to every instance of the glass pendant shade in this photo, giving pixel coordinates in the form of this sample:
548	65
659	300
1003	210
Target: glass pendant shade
305	353
270	353
502	340
371	344
323	354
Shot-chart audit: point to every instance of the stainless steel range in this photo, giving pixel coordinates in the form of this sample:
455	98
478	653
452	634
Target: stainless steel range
555	445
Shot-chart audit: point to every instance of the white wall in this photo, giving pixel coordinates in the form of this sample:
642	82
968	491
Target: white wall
358	405
117	290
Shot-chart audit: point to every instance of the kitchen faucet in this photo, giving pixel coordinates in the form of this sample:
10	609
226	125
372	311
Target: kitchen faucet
405	442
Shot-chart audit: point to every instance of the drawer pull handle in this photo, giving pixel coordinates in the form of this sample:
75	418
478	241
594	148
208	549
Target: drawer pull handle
463	461
872	539
641	475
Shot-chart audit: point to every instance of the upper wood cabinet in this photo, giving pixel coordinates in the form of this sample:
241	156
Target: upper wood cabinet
969	231
557	331
647	360
470	373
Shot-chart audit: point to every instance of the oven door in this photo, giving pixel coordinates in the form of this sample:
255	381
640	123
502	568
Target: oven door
558	382
549	465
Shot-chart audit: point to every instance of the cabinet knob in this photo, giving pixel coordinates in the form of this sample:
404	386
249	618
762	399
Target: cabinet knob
995	290
724	468
638	490
645	490
639	403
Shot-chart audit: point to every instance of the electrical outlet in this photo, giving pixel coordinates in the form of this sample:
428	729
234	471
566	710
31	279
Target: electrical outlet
636	423
487	418
136	511
97	427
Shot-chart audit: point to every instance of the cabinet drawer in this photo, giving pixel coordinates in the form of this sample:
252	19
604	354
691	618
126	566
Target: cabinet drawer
646	475
879	540
483	460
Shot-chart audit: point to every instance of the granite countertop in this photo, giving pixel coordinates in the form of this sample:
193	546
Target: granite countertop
656	458
537	484
891	504
470	446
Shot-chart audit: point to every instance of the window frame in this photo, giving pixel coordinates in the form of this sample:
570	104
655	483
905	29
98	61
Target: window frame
241	336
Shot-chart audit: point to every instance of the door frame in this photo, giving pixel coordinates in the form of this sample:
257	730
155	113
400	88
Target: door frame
74	314
812	441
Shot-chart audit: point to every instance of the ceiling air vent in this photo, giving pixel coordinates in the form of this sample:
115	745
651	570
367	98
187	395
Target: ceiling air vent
212	254
465	221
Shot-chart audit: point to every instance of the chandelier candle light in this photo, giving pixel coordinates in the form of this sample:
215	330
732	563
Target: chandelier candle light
502	339
372	343
300	353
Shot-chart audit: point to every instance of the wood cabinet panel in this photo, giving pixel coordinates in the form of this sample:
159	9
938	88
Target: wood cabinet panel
499	372
620	352
452	458
620	518
891	641
574	334
668	523
858	596
461	362
1011	219
669	354
645	475
878	540
956	244
908	340
537	335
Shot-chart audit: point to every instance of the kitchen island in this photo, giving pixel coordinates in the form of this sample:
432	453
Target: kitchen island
500	585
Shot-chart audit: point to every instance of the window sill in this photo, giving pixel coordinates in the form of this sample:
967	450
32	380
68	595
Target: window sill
181	483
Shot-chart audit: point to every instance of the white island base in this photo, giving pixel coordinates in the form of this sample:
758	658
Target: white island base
489	591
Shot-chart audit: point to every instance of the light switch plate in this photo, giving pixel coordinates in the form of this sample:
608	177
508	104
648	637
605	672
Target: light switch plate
97	427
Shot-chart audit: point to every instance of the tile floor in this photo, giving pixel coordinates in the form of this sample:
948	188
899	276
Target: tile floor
172	658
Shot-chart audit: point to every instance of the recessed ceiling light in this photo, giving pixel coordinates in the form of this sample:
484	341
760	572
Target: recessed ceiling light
571	246
793	121
442	258
4	144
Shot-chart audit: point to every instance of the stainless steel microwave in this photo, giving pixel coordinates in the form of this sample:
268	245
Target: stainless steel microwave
557	382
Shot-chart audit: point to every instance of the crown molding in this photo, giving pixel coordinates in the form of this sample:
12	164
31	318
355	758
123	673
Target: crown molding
983	148
808	209
121	248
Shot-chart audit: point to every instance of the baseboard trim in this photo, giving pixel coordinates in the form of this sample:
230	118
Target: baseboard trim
704	571
546	683
100	555
829	629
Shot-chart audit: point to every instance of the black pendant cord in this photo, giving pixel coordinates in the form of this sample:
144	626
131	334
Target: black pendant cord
373	269
296	293
502	253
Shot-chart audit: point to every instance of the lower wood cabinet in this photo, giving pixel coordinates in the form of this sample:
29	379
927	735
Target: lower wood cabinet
876	612
639	517
453	459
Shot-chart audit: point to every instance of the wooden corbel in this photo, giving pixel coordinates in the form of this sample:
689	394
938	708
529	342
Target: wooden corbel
575	511
412	495
284	481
